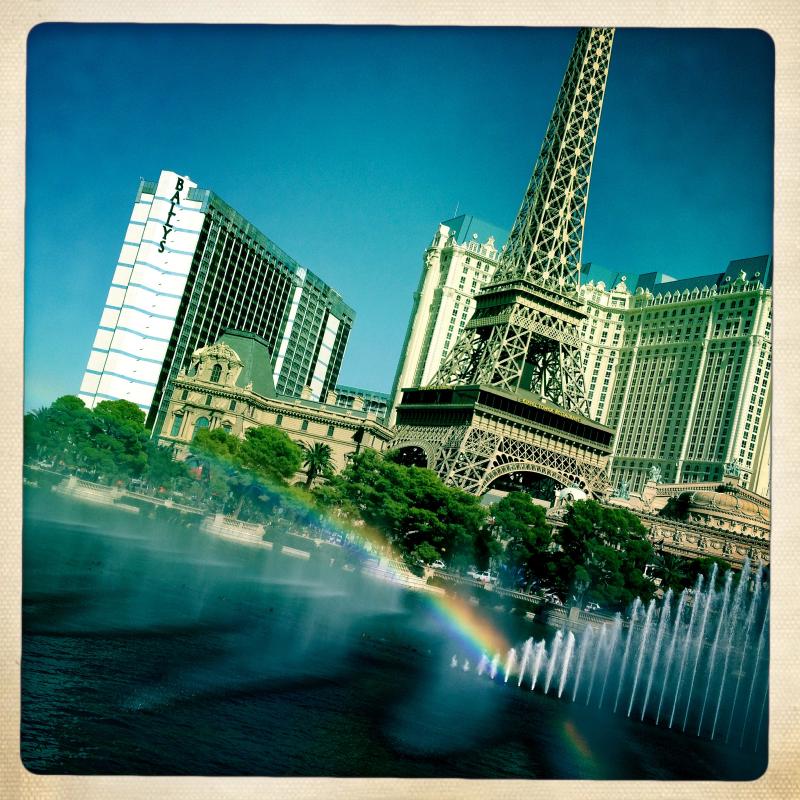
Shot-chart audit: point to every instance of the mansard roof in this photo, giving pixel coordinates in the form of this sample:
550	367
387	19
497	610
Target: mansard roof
253	352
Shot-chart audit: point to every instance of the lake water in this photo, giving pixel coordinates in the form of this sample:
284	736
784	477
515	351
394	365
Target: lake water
154	648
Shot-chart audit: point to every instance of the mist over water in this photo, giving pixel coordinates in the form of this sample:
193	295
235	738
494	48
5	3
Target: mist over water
709	656
150	647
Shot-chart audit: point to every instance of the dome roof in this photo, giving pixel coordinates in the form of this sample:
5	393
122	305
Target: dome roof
571	494
727	503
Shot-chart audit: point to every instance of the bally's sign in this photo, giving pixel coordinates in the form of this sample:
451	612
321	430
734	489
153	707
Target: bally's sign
167	226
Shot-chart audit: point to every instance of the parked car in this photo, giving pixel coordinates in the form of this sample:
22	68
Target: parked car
592	607
484	576
553	598
438	564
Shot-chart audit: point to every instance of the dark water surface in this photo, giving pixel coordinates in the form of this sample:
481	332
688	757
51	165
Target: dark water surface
153	648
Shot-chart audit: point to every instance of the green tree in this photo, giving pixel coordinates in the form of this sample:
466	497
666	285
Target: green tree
110	441
332	497
410	505
677	508
163	471
425	552
603	551
244	469
122	410
703	566
271	454
215	443
318	460
522	528
33	434
486	548
217	453
673	570
59	432
117	448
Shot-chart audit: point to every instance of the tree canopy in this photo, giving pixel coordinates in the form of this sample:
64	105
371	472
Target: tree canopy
677	508
108	442
245	469
673	571
524	535
410	505
704	566
270	453
602	555
599	553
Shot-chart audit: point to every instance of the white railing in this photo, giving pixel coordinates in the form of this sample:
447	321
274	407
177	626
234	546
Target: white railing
234	528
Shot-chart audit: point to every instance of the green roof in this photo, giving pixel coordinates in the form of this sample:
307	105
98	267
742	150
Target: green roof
254	353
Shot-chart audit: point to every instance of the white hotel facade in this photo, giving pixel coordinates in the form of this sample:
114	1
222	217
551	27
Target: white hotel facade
461	258
191	267
146	289
680	368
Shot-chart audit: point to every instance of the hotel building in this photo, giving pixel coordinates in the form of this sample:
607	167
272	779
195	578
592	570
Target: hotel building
229	385
190	267
352	397
681	368
461	258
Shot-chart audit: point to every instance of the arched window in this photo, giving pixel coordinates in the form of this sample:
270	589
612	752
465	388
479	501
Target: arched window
216	373
199	425
176	425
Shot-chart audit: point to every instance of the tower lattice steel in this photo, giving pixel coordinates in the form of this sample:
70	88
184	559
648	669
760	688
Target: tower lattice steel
524	333
510	396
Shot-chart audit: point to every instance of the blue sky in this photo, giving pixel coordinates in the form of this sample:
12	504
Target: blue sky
347	146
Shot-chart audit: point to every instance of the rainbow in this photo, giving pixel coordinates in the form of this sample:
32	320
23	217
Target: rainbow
474	630
577	742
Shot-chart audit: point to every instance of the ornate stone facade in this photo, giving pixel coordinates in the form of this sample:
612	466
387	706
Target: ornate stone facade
721	519
223	388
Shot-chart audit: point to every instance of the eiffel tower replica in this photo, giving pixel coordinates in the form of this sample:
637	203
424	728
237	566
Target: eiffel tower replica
510	396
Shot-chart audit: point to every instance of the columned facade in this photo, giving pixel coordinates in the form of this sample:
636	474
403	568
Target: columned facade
229	385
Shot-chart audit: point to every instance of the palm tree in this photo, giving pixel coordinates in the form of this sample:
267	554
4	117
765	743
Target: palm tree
317	459
673	570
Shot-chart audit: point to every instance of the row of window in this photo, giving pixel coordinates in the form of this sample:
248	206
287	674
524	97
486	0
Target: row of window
203	422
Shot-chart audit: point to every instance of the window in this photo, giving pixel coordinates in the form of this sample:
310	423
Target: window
208	399
199	425
304	425
232	405
279	419
330	430
184	394
176	425
216	373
